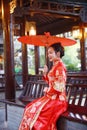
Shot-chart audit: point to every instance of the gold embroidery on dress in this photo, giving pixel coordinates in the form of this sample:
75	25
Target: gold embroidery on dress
37	114
59	86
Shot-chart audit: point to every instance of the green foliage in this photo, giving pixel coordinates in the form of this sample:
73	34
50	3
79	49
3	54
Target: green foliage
42	60
70	59
72	67
31	71
42	56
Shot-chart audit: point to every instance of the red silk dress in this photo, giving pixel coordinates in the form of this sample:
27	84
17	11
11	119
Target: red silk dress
42	113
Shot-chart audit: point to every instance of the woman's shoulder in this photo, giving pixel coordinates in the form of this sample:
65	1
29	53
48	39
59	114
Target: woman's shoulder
60	65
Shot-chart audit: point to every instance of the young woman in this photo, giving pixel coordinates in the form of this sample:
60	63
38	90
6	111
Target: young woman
43	113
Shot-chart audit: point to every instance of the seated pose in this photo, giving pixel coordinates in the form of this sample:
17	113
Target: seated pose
42	113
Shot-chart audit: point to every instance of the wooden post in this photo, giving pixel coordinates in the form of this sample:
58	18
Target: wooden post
37	59
82	43
8	51
24	56
24	64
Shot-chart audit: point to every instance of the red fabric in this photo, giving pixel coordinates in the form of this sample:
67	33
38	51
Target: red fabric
43	113
49	115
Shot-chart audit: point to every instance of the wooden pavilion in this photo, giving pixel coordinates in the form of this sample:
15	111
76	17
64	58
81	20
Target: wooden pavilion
56	17
48	14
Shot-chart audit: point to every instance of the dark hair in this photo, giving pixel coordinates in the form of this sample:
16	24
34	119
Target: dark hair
58	47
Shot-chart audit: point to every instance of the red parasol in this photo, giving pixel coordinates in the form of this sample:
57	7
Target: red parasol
45	40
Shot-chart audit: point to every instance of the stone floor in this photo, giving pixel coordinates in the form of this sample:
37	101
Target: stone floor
14	117
3	125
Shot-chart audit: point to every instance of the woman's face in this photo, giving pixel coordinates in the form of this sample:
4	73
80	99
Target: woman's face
52	55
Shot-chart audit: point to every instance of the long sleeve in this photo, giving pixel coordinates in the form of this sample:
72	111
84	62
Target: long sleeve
60	79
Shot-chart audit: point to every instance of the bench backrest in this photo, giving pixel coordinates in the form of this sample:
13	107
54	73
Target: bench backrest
32	90
35	77
78	80
77	98
77	94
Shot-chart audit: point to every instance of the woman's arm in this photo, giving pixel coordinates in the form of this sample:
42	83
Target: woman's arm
60	82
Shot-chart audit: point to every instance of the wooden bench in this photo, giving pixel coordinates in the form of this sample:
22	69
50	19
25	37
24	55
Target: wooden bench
77	99
75	118
35	77
32	90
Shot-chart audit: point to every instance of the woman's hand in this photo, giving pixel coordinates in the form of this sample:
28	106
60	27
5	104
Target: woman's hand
45	70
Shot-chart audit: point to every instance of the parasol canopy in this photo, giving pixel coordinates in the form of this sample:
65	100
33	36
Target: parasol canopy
45	40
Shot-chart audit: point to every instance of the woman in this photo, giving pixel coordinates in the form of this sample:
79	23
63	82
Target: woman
43	113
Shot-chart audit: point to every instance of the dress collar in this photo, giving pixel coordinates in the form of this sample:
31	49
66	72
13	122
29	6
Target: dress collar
56	61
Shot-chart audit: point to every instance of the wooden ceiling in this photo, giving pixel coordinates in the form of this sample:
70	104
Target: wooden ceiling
49	15
55	16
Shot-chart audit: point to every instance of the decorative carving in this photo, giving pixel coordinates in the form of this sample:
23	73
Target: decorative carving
83	14
68	9
12	6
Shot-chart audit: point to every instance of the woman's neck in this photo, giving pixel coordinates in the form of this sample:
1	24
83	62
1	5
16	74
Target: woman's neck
56	61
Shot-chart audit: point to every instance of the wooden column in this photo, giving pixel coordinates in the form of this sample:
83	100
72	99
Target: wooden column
37	60
24	56
24	64
8	52
82	43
